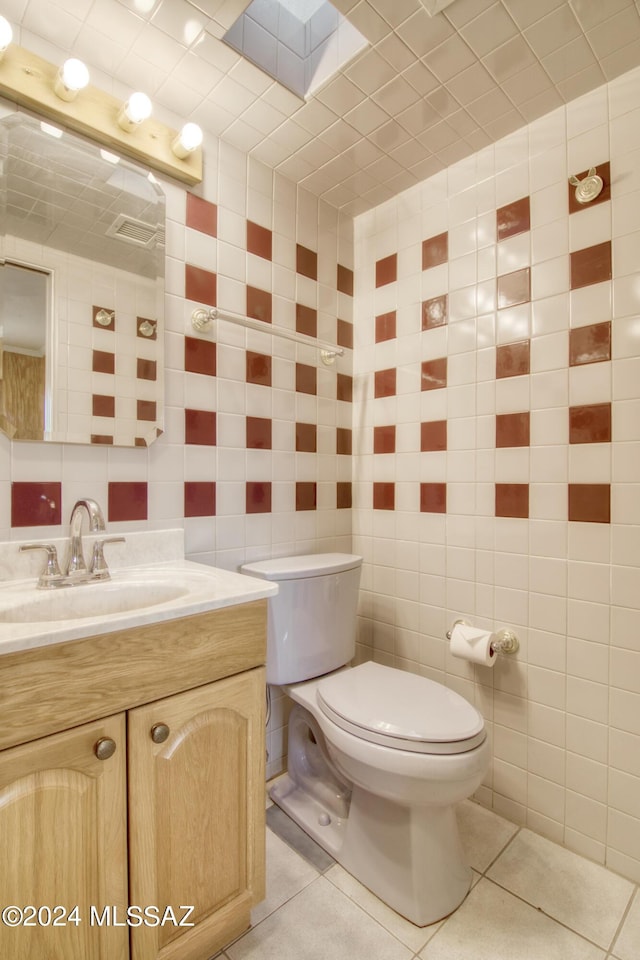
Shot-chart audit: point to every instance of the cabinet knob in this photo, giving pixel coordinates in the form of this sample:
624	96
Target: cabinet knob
159	732
104	748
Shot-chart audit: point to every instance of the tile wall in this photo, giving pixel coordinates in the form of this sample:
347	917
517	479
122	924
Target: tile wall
254	459
497	457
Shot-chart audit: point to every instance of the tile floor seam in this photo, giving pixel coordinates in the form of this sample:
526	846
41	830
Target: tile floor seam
634	893
502	850
544	913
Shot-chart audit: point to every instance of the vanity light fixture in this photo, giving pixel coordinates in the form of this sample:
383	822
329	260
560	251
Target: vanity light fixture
6	35
135	111
73	76
188	140
33	83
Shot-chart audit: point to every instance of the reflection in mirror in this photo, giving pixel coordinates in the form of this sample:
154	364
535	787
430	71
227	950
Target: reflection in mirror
24	391
81	291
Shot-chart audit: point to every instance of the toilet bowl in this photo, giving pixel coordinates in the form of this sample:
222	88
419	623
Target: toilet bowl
378	757
400	835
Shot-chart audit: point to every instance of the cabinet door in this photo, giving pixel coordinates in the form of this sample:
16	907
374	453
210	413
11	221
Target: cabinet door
196	816
63	843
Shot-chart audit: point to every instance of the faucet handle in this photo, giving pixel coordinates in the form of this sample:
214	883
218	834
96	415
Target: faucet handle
98	569
51	574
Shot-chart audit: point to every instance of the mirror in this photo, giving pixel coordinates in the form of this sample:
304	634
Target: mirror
81	290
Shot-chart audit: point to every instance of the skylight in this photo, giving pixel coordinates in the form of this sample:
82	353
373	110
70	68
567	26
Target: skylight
300	43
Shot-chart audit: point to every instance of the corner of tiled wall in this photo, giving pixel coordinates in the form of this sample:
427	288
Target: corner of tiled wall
496	389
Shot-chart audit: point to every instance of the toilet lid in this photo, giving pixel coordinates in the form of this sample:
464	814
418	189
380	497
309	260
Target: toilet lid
401	710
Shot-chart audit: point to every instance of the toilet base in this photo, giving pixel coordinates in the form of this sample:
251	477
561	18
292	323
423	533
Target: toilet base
409	857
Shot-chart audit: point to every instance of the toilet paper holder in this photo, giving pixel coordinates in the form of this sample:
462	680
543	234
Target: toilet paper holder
502	641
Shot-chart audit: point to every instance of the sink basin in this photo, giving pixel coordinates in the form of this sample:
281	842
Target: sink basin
89	600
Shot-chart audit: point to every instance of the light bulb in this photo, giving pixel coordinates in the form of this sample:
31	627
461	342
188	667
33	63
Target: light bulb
134	111
6	35
72	76
188	140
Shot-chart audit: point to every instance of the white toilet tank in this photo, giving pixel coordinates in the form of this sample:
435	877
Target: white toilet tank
312	619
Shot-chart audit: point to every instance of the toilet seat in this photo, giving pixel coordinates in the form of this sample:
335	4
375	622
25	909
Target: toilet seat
400	710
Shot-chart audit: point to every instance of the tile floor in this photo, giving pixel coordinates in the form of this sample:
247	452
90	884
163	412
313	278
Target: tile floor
531	900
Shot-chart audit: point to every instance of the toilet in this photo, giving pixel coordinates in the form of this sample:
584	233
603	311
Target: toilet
378	757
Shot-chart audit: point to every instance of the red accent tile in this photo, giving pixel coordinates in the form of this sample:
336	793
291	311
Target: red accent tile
385	326
384	439
306	438
306	262
306	379
513	218
200	285
433	498
259	240
433	435
345	334
434	374
306	495
146	410
512	359
343	495
435	250
199	498
591	265
103	362
202	215
259	304
384	383
140	325
512	500
514	288
199	356
387	270
512	430
344	441
435	312
258	368
36	504
344	387
200	427
258	496
590	502
258	433
306	320
102	438
103	406
127	501
146	369
590	423
603	170
345	280
101	326
384	496
590	344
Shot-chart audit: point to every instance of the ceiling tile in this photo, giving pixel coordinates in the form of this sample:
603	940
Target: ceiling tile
450	58
490	30
524	12
512	57
395	96
617	32
553	31
592	12
471	83
370	71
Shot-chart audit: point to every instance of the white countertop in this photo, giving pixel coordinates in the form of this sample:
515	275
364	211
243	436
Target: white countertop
153	592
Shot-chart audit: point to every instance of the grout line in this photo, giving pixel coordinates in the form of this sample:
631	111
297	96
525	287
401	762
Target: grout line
636	893
484	872
544	913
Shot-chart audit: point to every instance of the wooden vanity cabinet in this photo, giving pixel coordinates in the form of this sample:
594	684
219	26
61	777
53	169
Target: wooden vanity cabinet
172	816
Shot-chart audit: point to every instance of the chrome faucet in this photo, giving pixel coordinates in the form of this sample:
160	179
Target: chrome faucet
76	567
76	562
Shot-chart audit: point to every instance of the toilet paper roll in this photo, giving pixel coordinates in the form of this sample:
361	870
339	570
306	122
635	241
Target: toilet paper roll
472	644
